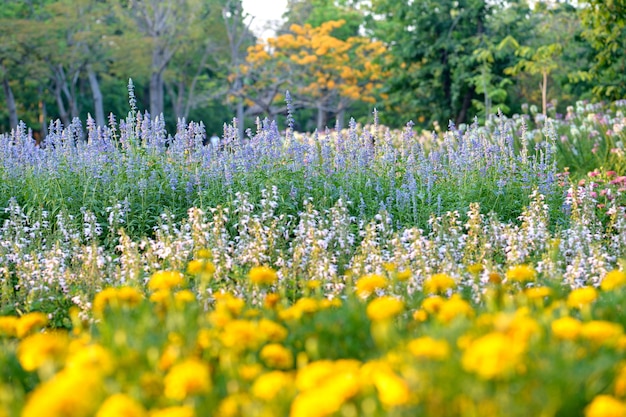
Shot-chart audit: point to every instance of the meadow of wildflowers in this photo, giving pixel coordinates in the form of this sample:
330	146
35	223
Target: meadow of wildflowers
343	273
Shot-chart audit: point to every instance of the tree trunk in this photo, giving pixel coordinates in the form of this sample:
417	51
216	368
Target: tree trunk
467	102
544	92
321	117
97	96
156	94
240	116
341	118
65	119
8	93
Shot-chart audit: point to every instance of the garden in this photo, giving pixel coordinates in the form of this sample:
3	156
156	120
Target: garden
477	270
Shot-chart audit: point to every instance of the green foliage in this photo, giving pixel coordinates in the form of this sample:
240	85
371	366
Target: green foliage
605	29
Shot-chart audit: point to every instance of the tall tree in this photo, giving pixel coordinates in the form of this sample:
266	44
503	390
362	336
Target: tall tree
165	25
321	71
431	43
605	29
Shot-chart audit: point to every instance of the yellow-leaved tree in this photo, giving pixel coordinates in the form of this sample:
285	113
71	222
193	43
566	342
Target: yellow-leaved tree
320	71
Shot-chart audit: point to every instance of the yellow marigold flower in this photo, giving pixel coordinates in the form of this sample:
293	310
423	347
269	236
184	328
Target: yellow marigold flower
566	328
420	315
475	269
491	356
403	275
230	303
389	266
161	297
521	273
187	378
271	300
438	283
262	275
129	296
428	348
453	308
200	266
613	280
121	405
204	254
314	374
308	404
29	322
336	388
495	278
605	406
165	280
392	390
8	326
268	386
67	394
249	372
234	405
600	331
194	267
276	356
581	297
183	297
536	293
240	334
313	284
273	331
42	348
368	284
91	358
307	305
384	308
181	411
116	298
432	304
620	382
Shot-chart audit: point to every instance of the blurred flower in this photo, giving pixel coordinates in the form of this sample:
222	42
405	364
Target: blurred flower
183	297
181	411
91	358
566	328
491	356
403	275
432	304
271	300
39	349
521	273
262	275
29	322
121	405
67	394
8	326
384	308
581	297
454	307
121	297
601	331
535	293
475	269
438	283
187	378
276	356
428	348
368	284
165	280
392	390
268	386
613	280
605	406
273	331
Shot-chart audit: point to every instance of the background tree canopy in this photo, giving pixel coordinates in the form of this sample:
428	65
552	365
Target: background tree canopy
422	60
